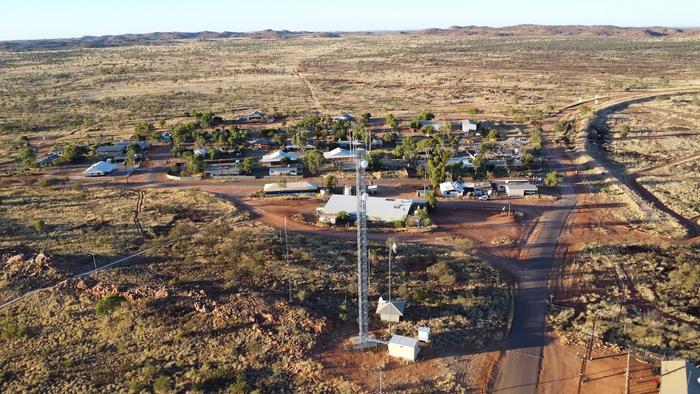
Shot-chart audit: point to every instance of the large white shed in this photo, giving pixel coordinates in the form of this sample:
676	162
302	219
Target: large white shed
403	347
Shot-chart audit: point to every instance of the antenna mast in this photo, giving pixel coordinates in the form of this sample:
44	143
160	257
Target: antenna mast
362	254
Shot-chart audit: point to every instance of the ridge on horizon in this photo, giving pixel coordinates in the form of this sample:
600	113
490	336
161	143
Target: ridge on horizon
126	39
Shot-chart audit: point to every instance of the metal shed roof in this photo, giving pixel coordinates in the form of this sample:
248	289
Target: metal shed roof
403	341
378	208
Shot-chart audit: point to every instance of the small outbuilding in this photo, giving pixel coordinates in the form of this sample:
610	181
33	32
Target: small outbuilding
469	125
520	189
290	188
403	347
390	310
101	168
424	334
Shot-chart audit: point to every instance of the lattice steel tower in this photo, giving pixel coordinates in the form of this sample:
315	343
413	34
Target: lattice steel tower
362	253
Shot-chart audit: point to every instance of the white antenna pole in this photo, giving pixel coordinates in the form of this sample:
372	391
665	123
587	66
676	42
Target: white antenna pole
389	273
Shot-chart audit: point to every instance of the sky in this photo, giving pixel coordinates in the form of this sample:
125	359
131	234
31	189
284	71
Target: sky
35	19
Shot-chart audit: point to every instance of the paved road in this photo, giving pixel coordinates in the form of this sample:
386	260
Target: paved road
520	368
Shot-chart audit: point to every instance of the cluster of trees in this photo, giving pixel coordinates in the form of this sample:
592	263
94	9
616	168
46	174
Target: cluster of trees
425	115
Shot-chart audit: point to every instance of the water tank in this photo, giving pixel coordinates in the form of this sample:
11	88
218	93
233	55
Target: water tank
347	190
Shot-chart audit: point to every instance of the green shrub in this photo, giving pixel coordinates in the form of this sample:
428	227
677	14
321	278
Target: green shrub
10	330
108	304
39	226
161	385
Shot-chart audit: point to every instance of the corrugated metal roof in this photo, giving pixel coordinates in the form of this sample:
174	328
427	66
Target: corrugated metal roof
100	166
279	155
392	307
290	187
338	153
520	186
378	208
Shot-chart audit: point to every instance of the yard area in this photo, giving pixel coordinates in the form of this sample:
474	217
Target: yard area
642	295
68	223
228	288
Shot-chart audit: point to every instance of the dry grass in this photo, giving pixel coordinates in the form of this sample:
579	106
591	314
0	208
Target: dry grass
213	313
96	220
97	93
660	131
642	295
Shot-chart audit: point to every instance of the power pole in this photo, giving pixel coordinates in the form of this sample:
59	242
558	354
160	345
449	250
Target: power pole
94	262
627	372
392	248
586	356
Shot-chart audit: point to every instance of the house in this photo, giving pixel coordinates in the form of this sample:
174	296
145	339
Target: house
435	124
290	188
113	151
379	209
344	118
391	310
256	115
284	171
46	160
520	189
222	171
500	184
261	143
403	347
466	162
451	189
279	156
309	144
478	188
143	145
679	377
469	125
338	154
101	168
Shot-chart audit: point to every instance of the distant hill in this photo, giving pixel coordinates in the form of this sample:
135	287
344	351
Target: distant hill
564	30
160	38
157	38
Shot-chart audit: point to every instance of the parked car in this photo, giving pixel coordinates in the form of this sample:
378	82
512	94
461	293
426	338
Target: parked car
484	197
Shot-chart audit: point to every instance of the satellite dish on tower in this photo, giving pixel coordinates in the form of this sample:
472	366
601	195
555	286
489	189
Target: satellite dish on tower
364	164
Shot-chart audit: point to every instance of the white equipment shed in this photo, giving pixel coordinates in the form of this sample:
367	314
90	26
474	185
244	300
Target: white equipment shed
403	347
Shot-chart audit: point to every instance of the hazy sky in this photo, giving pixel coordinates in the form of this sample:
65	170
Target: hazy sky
26	19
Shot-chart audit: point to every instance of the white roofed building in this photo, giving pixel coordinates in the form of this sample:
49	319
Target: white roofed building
290	188
390	310
278	156
469	125
338	154
403	347
379	209
101	168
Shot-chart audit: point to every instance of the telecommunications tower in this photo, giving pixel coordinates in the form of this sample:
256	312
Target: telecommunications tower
362	340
